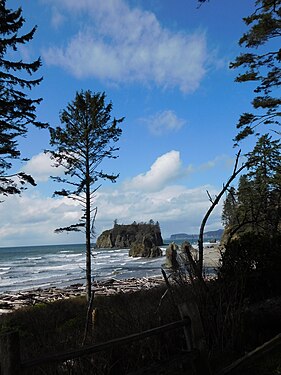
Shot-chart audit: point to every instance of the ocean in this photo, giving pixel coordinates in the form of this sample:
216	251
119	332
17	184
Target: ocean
31	267
25	268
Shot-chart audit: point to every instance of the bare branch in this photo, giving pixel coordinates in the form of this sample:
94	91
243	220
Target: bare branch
235	173
209	195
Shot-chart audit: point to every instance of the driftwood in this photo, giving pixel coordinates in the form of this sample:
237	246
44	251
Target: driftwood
11	301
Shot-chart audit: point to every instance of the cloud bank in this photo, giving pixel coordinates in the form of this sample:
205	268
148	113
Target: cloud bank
155	194
119	44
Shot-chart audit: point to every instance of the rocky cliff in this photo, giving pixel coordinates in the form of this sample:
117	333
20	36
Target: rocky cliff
142	239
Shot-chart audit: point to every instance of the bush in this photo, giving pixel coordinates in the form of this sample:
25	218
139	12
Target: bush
253	262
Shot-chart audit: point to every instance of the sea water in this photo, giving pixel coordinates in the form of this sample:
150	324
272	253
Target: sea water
24	268
30	267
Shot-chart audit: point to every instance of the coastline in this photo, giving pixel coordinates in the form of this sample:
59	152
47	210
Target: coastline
13	300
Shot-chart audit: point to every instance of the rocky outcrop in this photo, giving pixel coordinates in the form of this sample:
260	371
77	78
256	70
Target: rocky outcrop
177	258
105	240
142	239
171	256
146	248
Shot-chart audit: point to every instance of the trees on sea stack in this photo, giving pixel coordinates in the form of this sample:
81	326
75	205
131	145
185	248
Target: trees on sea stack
87	136
17	110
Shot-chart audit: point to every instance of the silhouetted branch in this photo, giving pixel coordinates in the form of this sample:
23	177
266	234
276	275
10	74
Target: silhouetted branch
213	205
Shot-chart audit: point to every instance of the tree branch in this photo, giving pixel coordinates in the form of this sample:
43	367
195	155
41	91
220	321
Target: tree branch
213	205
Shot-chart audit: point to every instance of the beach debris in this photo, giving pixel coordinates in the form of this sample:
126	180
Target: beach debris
11	301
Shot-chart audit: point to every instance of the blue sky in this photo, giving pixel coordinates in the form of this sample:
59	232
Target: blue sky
164	66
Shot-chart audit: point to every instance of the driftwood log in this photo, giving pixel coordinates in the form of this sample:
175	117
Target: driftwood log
11	301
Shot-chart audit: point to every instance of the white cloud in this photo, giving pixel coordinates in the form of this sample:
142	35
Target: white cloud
177	208
40	167
163	171
164	122
122	44
32	219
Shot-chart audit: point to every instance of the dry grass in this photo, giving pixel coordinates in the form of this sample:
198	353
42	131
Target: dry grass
59	326
228	321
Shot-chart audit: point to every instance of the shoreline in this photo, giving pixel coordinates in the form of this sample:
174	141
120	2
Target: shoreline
12	301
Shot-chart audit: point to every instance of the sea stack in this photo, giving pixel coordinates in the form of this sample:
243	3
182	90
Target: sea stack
143	239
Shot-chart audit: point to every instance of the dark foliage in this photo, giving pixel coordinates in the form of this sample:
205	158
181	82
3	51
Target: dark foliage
57	327
263	68
256	205
17	110
253	262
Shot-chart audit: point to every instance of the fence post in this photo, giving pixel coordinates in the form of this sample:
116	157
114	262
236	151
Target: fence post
10	354
198	337
187	329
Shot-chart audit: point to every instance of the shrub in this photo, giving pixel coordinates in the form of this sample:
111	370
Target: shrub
254	263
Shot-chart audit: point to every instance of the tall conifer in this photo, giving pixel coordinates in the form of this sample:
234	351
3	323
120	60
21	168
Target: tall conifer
262	66
86	137
17	110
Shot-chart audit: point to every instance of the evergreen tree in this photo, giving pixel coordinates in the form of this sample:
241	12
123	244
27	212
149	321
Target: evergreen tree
264	162
262	68
17	110
248	210
85	140
229	206
253	255
258	207
264	172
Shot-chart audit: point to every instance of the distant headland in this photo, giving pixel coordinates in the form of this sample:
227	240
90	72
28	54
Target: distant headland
212	235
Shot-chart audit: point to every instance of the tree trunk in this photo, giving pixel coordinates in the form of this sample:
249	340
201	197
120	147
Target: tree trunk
88	235
210	210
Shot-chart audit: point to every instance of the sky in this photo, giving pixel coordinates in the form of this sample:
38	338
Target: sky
164	65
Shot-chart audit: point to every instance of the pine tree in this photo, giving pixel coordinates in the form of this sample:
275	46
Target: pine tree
86	138
17	110
262	68
258	206
248	209
253	255
264	172
229	206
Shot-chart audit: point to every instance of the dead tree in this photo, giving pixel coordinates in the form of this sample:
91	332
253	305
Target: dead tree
214	202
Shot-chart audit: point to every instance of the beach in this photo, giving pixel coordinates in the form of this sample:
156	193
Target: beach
13	300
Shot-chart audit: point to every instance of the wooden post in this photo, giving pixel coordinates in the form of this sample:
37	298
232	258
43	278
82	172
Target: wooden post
10	354
190	309
187	329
